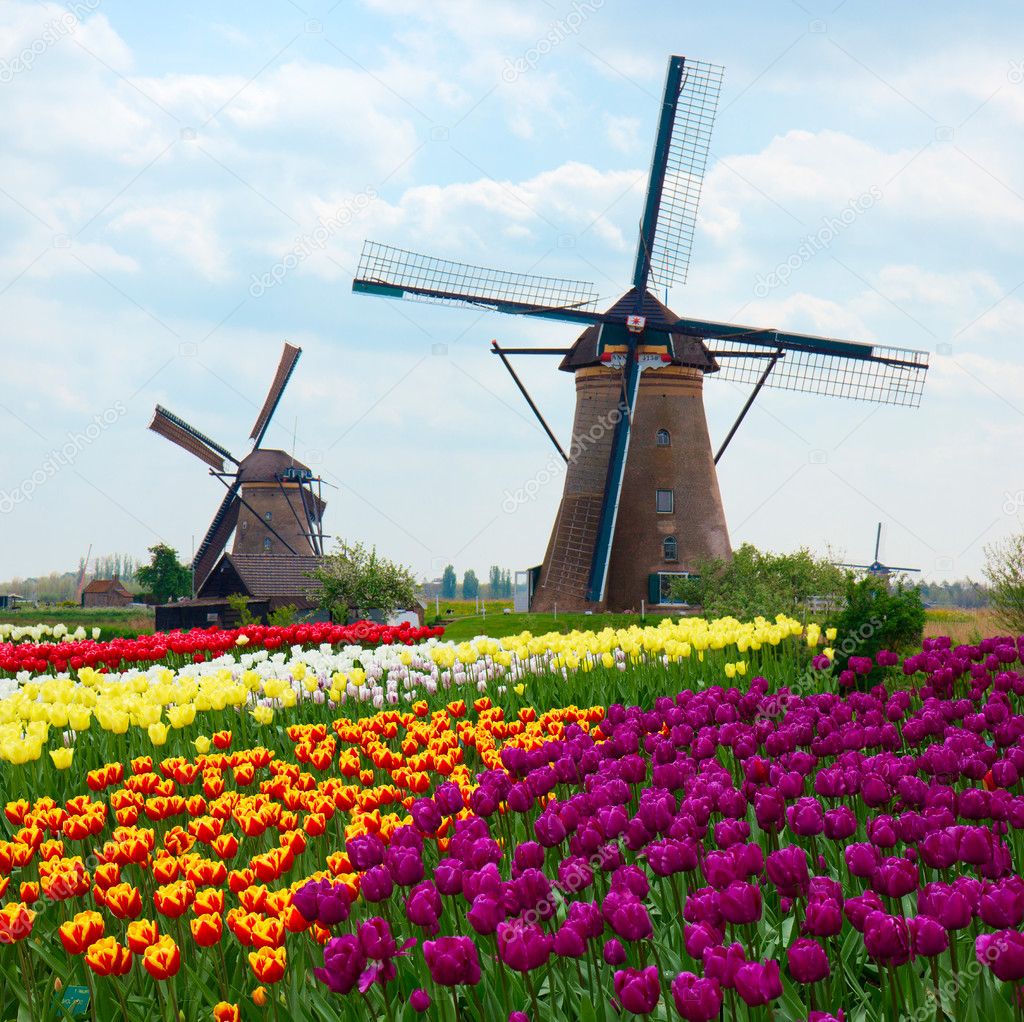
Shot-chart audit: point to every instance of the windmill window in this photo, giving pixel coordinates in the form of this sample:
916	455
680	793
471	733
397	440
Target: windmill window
664	502
662	438
267	515
266	543
670	548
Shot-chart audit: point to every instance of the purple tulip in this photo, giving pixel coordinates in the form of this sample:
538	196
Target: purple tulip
740	903
638	990
696	1000
419	1000
929	937
887	938
452	961
344	962
1003	953
758	983
523	947
807	961
485	914
613	952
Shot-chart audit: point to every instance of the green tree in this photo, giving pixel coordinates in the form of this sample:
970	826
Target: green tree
470	585
449	583
165	576
355	578
1004	569
494	582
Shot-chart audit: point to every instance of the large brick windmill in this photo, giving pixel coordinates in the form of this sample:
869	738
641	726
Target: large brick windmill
273	503
641	501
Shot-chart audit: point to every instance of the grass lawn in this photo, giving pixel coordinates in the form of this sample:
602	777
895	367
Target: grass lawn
498	624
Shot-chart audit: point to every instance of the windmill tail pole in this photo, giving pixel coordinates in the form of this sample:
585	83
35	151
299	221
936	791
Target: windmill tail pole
529	400
750	400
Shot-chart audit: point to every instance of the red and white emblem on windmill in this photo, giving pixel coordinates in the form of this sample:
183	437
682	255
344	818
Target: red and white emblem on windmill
636	324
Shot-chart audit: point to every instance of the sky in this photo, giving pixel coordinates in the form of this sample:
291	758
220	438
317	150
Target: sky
184	187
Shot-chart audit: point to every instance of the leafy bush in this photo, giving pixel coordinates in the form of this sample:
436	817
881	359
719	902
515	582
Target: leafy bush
877	615
755	582
240	605
1004	569
284	615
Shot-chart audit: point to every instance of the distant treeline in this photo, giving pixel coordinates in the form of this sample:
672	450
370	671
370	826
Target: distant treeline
58	587
963	593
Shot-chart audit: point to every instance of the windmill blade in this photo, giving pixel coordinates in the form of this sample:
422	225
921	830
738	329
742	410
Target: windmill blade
395	273
817	365
285	368
616	467
179	432
878	540
915	571
677	172
217	535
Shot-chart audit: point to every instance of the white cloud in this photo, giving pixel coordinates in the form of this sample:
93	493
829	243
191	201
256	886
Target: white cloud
623	133
186	232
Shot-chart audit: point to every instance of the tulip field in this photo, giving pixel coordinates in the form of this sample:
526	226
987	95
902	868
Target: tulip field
692	820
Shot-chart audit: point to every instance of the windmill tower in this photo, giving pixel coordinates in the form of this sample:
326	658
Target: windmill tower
273	504
876	567
641	501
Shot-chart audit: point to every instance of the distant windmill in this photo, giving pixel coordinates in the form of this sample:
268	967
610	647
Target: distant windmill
641	501
270	504
876	567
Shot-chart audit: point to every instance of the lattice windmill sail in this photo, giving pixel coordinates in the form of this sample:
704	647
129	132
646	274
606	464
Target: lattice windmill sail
273	504
876	567
641	502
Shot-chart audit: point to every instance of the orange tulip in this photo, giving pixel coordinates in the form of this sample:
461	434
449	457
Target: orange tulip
16	811
268	933
268	963
108	958
225	846
15	923
124	901
207	929
78	933
162	960
208	901
173	900
259	996
142	933
225	1012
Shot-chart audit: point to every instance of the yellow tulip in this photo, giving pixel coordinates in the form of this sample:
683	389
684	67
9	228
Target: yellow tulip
202	744
157	733
62	758
262	714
